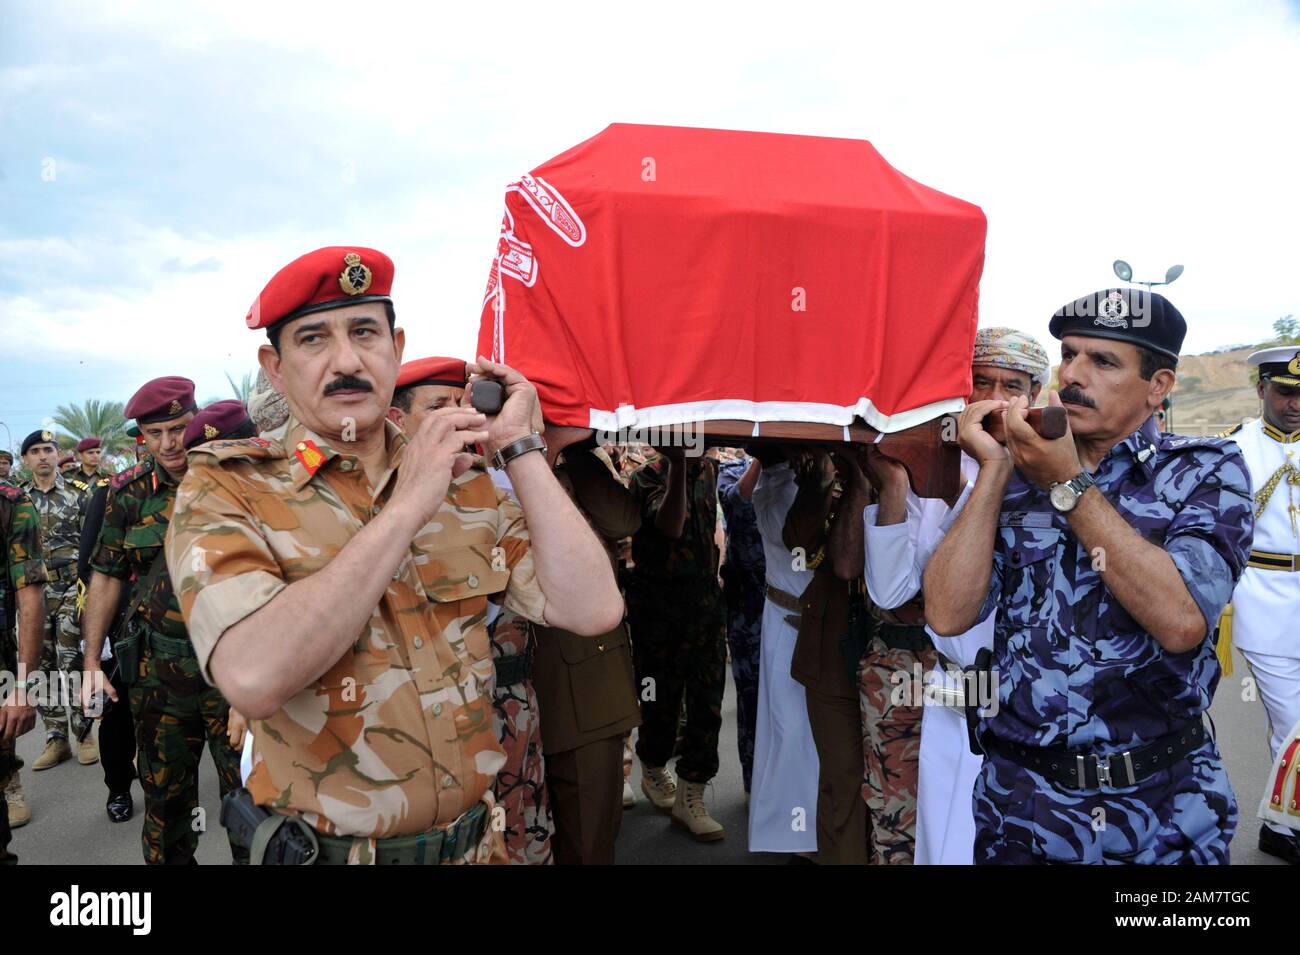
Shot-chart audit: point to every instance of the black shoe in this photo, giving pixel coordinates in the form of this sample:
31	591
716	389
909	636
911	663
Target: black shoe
120	807
1275	844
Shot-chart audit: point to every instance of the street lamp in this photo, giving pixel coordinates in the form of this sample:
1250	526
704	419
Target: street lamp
1125	273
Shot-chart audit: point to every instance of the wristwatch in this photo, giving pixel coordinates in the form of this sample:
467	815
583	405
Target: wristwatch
1065	496
529	442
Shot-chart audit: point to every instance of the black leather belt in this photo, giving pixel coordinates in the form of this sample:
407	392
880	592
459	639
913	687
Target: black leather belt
902	636
514	669
1088	771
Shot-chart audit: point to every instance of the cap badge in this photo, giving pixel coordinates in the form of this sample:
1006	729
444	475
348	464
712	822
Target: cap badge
174	407
310	456
46	436
210	432
1113	311
1293	365
355	277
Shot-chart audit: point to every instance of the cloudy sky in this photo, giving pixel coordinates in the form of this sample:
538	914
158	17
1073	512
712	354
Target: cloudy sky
160	160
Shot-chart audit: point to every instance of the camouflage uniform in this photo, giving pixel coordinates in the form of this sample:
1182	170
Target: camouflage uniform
678	622
744	574
174	712
521	783
61	509
396	738
21	565
1076	672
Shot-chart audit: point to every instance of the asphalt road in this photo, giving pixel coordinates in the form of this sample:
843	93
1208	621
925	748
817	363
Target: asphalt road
69	825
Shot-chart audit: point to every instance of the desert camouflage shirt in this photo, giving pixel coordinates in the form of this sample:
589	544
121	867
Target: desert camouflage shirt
396	737
20	551
1074	669
61	511
139	506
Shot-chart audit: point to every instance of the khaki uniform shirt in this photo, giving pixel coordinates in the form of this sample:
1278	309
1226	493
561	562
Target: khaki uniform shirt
396	737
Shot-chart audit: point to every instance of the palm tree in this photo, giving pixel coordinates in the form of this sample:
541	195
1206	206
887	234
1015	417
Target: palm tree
103	419
243	389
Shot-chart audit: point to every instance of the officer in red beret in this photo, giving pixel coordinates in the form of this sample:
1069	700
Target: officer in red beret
423	386
174	711
88	475
335	574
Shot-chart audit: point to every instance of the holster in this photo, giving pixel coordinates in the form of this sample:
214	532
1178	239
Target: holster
976	676
271	838
126	650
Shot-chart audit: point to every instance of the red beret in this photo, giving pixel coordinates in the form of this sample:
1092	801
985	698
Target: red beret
221	419
66	458
327	278
432	371
161	400
87	444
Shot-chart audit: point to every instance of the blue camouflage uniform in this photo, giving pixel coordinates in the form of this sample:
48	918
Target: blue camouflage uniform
744	574
1075	671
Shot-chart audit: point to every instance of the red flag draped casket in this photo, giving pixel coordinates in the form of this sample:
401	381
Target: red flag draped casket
656	275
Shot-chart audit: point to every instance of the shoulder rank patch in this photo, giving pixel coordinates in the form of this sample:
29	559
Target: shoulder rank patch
309	455
252	449
133	473
1231	431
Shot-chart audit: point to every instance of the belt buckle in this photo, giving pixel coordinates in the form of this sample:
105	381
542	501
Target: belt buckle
1103	772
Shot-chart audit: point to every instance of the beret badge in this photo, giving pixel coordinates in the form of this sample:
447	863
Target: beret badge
174	407
46	436
355	277
1112	311
210	432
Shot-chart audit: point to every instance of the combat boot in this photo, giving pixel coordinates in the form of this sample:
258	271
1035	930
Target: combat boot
658	785
690	813
88	750
56	751
19	813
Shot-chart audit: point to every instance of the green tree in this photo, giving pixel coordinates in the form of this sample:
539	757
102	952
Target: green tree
244	388
1288	330
102	419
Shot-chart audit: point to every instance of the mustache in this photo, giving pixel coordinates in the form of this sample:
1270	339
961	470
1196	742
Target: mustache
1072	394
347	383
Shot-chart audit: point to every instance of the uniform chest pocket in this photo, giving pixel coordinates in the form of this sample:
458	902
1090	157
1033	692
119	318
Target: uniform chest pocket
463	573
1030	565
150	533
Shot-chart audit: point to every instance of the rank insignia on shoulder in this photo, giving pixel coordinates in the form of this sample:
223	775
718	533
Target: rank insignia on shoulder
310	456
355	277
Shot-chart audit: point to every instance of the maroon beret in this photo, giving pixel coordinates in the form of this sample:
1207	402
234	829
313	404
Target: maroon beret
161	400
87	444
67	458
432	371
327	278
221	419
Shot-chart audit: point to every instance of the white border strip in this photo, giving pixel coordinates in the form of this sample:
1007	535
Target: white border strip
631	417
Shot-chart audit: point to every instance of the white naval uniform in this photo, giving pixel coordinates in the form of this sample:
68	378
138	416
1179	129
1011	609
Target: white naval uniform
1266	602
896	556
783	793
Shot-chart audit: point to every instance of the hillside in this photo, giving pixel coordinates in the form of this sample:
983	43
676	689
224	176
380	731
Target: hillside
1214	392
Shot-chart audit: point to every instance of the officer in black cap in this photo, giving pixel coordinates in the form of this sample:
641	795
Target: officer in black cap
1104	558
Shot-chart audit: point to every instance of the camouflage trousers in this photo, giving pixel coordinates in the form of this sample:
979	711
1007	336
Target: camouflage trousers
679	655
1184	814
8	755
744	628
891	748
175	713
60	658
520	786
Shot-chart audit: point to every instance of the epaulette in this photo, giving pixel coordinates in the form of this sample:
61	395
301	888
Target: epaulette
132	474
78	484
1182	442
1232	431
240	449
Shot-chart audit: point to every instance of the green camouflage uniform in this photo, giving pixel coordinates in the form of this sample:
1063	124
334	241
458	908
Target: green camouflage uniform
678	622
20	566
61	511
175	711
